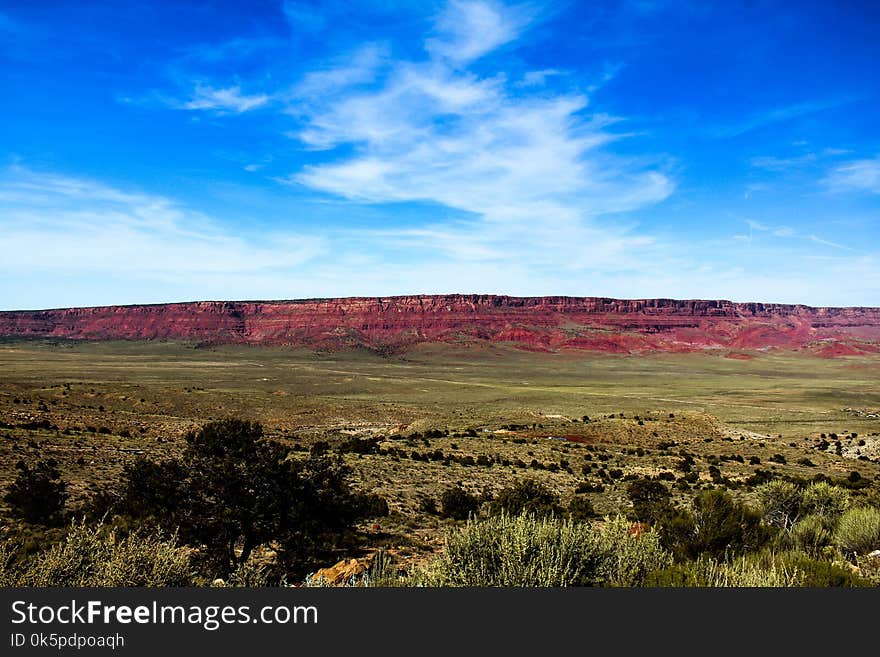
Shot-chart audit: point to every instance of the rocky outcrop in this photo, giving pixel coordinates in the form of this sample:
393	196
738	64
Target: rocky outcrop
341	574
537	323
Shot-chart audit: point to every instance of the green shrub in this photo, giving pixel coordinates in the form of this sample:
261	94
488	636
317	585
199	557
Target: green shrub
580	509
651	500
153	490
38	493
355	445
858	531
744	571
526	496
825	500
457	503
587	487
371	505
526	550
811	534
780	503
628	557
250	575
95	556
821	573
723	526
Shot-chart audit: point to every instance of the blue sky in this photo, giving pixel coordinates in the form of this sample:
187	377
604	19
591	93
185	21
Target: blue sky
154	152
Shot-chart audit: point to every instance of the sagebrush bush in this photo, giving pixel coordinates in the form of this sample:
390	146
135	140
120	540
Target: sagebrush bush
744	571
8	570
628	557
824	500
858	531
824	574
811	534
529	551
251	574
95	556
780	502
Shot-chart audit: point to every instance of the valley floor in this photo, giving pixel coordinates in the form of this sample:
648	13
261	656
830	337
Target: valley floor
480	418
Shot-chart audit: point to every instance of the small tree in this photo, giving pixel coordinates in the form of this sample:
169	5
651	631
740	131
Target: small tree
458	503
580	509
724	526
651	500
233	491
527	496
38	493
154	490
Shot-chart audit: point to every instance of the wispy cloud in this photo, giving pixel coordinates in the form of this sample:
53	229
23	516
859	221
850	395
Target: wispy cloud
756	225
856	175
356	68
777	115
466	31
63	224
523	167
123	246
785	232
223	100
782	164
237	48
819	240
303	15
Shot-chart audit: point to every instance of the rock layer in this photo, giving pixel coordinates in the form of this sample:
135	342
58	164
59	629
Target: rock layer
538	323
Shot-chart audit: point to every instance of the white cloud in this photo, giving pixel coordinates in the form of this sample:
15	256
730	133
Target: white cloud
782	164
538	78
757	225
856	175
303	16
777	115
223	100
468	30
69	241
432	131
59	224
232	49
526	171
786	232
819	240
357	68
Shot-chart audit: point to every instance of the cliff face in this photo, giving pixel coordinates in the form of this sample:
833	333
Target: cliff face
544	323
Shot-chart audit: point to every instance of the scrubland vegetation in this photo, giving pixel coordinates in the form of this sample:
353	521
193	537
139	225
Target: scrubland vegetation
129	466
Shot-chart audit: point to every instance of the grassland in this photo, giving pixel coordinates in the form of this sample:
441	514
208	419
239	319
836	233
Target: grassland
93	406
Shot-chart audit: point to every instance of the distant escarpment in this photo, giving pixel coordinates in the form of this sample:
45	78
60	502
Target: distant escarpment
535	323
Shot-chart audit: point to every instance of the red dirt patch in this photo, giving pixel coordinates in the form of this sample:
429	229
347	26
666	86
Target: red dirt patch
838	349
